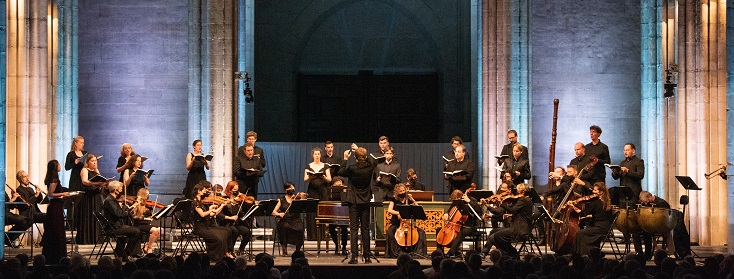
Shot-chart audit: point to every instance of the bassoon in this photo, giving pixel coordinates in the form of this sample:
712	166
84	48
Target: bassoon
551	164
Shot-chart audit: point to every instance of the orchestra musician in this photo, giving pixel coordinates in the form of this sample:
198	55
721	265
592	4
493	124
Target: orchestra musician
631	171
393	248
125	152
88	231
460	181
117	215
290	225
581	160
507	148
566	181
54	236
597	216
467	206
386	175
248	169
358	197
318	176
517	166
597	149
142	214
338	181
494	207
195	164
233	213
647	199
412	183
18	222
217	238
521	212
134	180
32	196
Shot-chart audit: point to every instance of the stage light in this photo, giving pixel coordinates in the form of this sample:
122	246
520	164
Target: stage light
669	86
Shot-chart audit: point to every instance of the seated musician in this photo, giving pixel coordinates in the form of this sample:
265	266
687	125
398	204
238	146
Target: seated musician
494	207
217	238
32	195
564	183
596	218
290	226
394	246
339	181
412	181
647	199
143	217
19	222
468	208
117	215
521	212
232	215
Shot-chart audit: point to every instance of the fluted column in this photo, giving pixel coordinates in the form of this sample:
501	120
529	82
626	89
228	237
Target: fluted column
66	92
245	63
730	122
3	118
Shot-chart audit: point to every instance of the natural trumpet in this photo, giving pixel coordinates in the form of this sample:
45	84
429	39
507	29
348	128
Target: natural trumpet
721	171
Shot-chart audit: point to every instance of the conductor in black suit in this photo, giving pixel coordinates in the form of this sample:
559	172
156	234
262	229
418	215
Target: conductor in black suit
631	171
518	166
358	196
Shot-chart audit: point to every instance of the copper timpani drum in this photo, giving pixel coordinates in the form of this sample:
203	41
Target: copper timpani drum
627	221
657	220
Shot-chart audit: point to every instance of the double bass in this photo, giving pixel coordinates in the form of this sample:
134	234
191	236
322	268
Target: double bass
454	223
565	232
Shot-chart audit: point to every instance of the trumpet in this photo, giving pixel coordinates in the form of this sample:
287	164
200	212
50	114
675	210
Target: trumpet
721	171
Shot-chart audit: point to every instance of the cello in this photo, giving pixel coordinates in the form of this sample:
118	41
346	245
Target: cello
406	234
565	232
454	223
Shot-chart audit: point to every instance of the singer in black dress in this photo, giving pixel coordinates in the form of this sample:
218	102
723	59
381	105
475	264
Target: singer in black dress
54	237
195	164
290	226
134	181
318	176
75	164
126	151
88	230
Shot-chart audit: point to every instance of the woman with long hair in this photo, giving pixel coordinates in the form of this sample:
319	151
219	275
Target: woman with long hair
126	151
143	217
195	164
597	215
233	212
217	238
133	180
88	230
54	238
75	163
290	226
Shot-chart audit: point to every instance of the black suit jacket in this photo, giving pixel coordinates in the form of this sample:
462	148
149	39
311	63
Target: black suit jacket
27	193
360	176
111	210
633	177
521	165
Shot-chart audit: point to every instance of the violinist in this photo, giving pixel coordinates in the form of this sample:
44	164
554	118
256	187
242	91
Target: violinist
494	207
402	226
521	212
647	199
597	216
290	225
233	211
33	196
217	238
143	217
464	205
116	214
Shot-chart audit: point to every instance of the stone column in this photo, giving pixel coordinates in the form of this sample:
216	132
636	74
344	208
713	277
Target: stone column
66	94
3	103
730	122
245	63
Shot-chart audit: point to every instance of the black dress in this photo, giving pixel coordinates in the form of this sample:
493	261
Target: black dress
392	247
88	229
121	162
75	180
137	182
216	237
317	189
54	238
290	227
196	174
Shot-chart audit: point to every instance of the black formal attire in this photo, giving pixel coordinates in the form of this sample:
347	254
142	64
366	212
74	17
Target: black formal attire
393	248
507	150
456	183
19	222
117	216
581	162
633	177
247	173
520	165
121	161
601	152
383	189
521	224
358	196
217	238
144	222
470	225
75	178
54	236
416	185
318	188
596	229
334	160
638	238
290	227
559	192
136	183
498	212
88	230
238	227
29	195
450	156
196	174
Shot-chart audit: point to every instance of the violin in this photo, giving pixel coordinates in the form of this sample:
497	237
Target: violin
214	199
584	198
243	198
494	199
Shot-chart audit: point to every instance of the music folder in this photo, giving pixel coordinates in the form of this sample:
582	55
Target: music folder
687	182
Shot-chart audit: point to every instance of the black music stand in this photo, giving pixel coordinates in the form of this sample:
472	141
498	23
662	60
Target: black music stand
265	209
533	195
167	212
689	185
481	194
304	206
619	192
184	207
71	203
414	212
